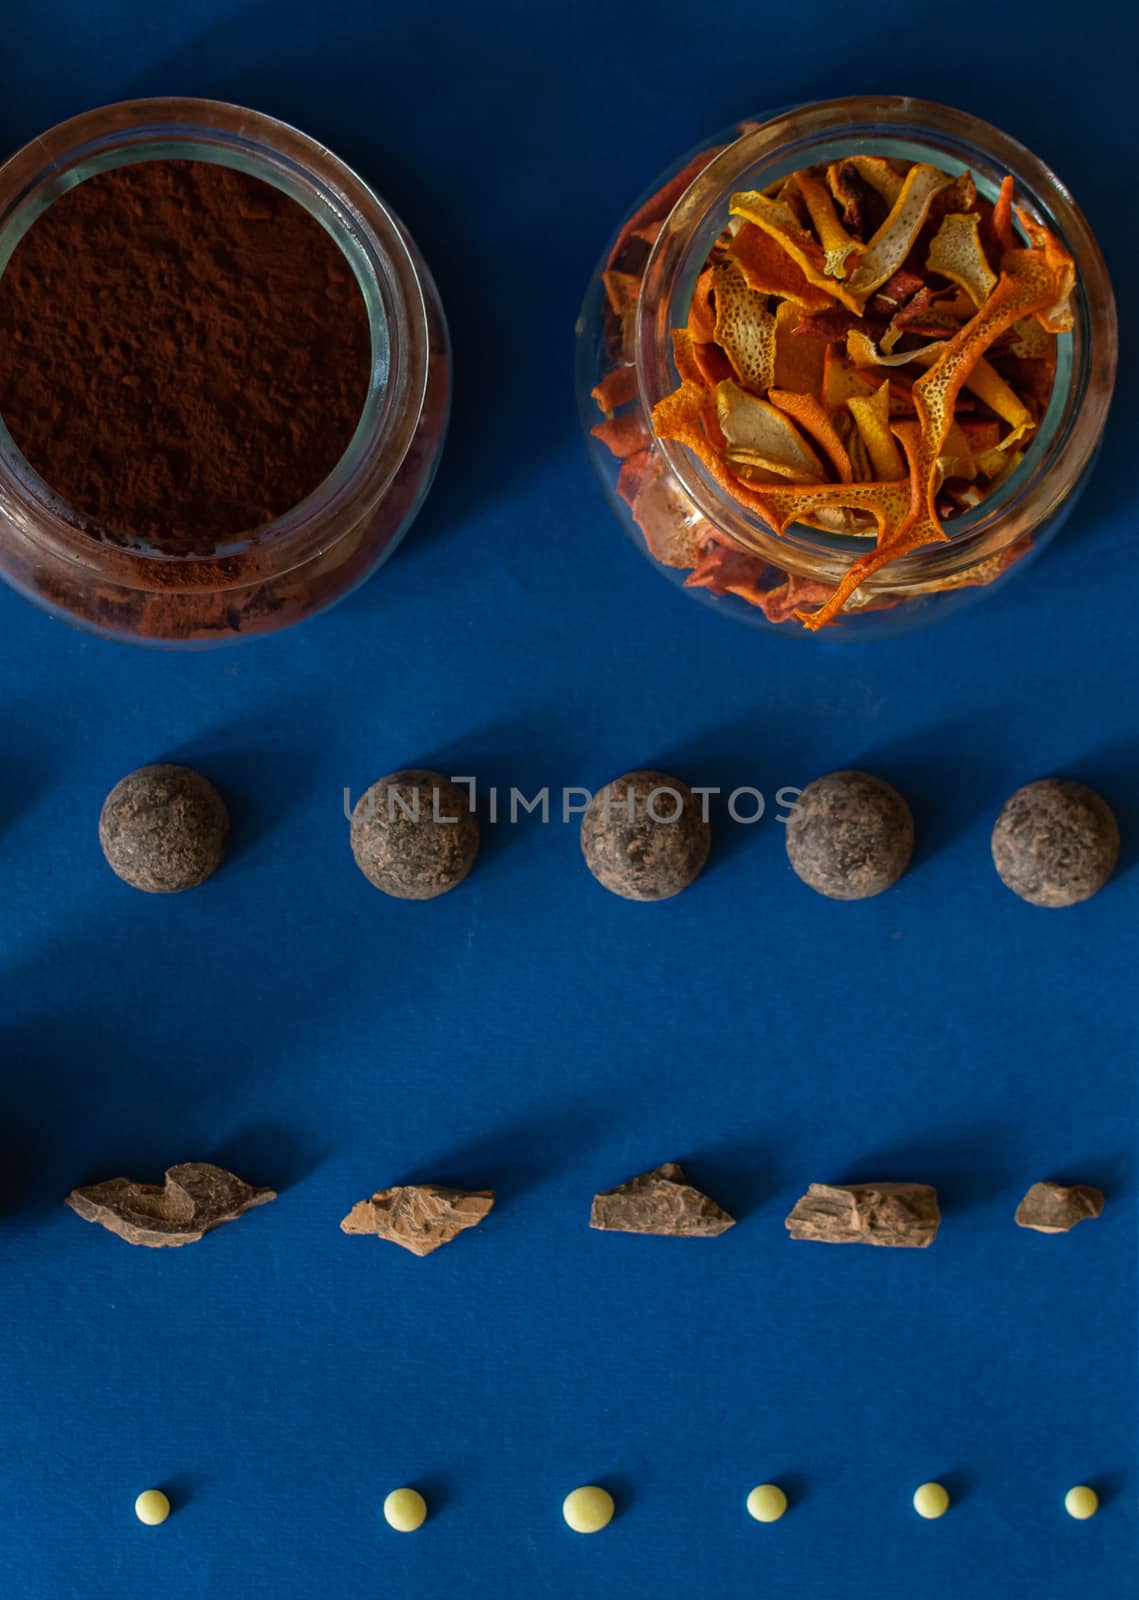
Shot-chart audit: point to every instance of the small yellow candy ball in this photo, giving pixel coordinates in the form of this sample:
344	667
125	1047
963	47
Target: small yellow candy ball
589	1509
405	1510
152	1507
766	1502
1081	1502
931	1500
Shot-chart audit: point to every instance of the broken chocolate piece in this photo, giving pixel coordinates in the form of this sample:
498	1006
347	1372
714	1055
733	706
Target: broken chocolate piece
660	1202
900	1214
196	1197
1056	1207
419	1216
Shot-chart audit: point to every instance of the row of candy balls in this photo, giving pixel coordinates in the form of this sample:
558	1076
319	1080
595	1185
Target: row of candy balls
645	836
591	1508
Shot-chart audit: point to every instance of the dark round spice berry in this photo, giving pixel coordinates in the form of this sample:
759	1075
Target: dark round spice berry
1055	843
414	834
644	836
163	829
851	835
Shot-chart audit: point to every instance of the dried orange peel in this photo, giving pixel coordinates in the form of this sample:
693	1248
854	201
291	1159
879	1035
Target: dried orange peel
957	254
757	427
770	269
840	251
891	244
869	350
814	420
872	419
776	218
744	327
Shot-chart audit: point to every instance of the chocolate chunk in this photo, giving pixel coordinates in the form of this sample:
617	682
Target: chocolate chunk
660	1202
896	1214
1055	842
414	834
196	1198
1054	1208
850	836
419	1216
163	829
644	836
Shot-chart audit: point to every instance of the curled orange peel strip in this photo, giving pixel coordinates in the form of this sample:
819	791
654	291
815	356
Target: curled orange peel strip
745	328
981	435
636	471
701	317
712	364
768	268
760	468
841	379
865	353
757	427
961	195
1057	317
839	249
987	384
800	363
776	218
848	195
957	459
891	244
878	173
625	435
872	418
957	254
814	420
1032	339
1001	220
616	388
683	347
700	363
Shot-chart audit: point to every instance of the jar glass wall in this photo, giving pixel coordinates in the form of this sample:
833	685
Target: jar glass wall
625	361
289	569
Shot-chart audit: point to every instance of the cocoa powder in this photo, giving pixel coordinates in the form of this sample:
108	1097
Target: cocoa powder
184	353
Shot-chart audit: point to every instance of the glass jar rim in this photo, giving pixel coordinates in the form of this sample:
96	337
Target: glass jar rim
874	123
373	243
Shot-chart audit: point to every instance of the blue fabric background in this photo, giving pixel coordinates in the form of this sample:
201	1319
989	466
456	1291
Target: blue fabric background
531	1032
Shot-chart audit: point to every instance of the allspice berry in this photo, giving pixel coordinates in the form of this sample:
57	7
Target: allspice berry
414	834
1055	843
851	835
163	829
644	836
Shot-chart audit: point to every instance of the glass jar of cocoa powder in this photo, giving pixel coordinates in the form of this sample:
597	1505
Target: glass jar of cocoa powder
205	590
670	488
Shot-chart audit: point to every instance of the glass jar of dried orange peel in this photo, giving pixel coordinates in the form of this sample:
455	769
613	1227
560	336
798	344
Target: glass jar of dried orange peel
847	368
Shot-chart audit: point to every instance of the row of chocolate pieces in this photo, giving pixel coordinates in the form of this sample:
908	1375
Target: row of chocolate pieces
423	1216
645	836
